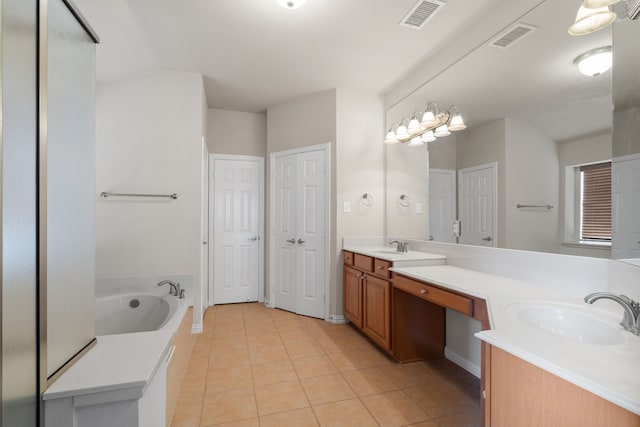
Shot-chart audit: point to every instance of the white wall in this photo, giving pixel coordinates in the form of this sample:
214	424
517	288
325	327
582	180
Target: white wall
531	164
353	123
571	153
359	169
232	132
149	133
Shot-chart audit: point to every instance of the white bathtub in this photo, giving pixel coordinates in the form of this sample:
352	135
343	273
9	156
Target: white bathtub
130	313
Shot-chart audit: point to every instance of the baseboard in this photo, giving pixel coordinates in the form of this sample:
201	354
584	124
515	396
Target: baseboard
196	328
467	365
337	319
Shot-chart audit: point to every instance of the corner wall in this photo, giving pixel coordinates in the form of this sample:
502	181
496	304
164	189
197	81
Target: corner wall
149	133
232	132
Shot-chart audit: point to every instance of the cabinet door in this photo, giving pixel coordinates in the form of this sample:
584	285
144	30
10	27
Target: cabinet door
352	304
377	309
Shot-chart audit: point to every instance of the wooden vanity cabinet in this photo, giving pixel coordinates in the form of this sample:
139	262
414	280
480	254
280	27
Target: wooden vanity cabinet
352	295
367	296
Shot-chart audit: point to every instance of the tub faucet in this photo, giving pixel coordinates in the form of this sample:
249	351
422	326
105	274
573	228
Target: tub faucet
631	309
401	246
174	288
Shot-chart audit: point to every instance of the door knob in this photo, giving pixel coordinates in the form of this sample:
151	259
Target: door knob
487	239
300	241
292	241
253	239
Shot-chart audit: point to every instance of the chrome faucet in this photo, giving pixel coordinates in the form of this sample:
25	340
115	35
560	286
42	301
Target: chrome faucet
174	288
631	309
401	246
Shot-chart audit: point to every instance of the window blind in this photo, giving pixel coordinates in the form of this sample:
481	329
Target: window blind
596	202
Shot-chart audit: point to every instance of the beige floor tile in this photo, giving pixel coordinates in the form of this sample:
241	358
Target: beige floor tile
394	409
425	424
410	374
263	339
225	344
228	358
187	413
275	372
314	367
441	399
346	413
296	418
472	419
303	349
369	381
280	397
352	360
328	388
222	379
198	365
227	406
337	344
251	422
269	354
193	383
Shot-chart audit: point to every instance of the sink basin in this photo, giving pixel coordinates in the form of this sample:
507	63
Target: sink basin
389	251
572	322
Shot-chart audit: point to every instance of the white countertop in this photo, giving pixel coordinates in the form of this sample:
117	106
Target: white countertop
390	254
609	371
116	362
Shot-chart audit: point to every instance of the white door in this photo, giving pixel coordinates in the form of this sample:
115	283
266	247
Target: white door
298	239
236	231
442	204
625	200
477	202
204	226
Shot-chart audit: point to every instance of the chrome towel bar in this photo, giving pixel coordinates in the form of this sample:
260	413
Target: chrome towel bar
519	206
106	194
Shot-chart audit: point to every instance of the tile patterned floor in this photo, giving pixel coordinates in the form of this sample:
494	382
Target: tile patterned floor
259	367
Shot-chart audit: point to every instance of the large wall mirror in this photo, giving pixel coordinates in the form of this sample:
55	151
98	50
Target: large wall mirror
536	127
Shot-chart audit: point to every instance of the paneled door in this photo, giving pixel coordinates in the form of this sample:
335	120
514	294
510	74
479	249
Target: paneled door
442	204
477	201
625	200
236	230
298	238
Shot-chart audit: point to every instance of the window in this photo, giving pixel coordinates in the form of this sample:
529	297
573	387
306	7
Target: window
595	202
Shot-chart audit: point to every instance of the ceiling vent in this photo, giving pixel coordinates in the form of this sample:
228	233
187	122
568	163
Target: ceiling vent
512	35
422	12
633	9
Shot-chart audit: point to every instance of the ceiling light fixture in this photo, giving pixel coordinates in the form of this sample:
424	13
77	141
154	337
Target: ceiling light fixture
595	61
591	20
418	133
291	4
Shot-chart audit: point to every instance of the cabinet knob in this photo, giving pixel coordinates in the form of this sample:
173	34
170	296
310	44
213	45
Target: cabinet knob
423	291
380	267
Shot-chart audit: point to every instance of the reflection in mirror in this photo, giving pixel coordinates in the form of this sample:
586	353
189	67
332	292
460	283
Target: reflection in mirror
626	143
513	177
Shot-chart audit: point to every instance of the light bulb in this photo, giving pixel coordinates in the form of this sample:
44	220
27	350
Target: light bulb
457	123
591	20
442	131
416	142
428	137
391	137
429	115
401	132
414	126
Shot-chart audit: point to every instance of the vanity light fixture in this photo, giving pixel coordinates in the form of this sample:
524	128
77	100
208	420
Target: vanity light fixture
594	4
417	133
291	4
391	137
595	61
456	123
591	20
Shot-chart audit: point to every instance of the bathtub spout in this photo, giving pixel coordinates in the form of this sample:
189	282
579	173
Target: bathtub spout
174	288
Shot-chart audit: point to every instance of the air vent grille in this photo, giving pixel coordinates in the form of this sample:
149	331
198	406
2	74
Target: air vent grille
633	9
422	12
512	35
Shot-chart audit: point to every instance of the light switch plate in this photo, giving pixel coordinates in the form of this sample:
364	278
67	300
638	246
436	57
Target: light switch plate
418	208
346	207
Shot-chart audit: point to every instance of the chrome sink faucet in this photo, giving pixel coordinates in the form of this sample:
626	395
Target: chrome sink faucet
401	246
174	288
631	309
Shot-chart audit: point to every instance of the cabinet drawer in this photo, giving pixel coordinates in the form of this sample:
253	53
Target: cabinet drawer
347	257
381	268
439	296
364	262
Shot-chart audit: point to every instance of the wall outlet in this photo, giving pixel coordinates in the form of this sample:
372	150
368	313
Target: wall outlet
418	208
346	207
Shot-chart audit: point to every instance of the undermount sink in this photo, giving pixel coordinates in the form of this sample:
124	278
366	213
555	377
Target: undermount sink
570	321
389	251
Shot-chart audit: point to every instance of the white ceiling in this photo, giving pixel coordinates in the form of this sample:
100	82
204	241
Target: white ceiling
254	53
